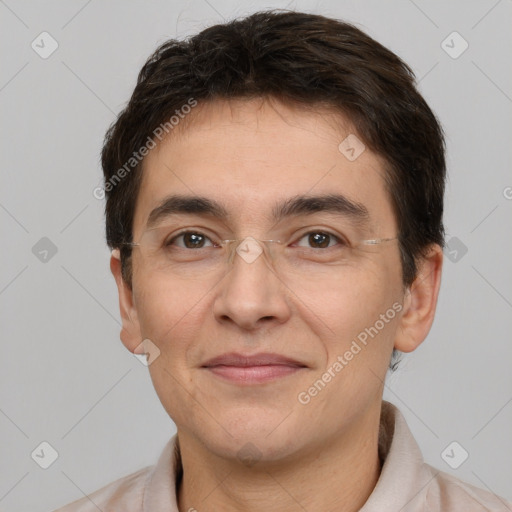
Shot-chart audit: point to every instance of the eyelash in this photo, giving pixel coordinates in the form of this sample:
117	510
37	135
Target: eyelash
339	240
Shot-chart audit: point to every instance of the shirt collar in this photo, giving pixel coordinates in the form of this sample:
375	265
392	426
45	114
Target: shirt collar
404	474
399	486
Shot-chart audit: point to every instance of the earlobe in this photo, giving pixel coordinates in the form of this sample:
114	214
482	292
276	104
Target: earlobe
420	302
130	331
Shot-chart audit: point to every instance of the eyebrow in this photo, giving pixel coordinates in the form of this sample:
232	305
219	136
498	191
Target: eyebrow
332	203
294	206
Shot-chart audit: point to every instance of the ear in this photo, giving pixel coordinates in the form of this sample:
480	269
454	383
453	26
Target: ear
420	302
130	330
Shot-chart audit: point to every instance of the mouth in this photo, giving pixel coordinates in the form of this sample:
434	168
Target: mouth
253	369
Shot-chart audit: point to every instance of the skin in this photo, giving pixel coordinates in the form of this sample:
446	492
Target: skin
248	155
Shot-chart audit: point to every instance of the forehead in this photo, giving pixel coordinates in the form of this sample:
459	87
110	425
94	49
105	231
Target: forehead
251	155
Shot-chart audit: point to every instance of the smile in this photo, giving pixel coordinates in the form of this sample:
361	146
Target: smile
254	369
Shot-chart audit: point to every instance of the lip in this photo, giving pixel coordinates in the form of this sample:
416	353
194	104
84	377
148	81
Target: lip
252	369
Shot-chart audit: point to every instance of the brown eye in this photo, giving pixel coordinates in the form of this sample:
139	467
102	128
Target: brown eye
190	240
193	240
319	240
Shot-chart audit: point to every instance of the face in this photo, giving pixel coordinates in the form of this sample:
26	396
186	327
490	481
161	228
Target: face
287	348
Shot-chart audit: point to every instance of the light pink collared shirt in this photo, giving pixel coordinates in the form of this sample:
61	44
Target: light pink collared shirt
406	482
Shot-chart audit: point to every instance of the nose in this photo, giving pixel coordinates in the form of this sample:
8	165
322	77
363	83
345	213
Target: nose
251	294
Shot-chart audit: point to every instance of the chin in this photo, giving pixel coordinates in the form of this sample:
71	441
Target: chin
250	450
252	435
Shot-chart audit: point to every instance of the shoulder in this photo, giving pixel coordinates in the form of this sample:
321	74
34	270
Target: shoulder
448	493
126	492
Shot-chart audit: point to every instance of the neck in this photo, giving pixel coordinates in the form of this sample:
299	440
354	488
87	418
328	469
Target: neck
339	476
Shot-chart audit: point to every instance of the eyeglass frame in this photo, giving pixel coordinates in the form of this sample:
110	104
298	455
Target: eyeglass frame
263	244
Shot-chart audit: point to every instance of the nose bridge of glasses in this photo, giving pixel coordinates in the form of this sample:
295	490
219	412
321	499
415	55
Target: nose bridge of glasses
249	249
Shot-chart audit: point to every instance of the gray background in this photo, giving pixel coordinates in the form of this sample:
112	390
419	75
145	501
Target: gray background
66	378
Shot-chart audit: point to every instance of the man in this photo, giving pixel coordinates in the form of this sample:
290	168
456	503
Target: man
274	205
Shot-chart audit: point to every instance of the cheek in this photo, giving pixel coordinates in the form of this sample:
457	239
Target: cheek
356	315
169	316
167	307
352	299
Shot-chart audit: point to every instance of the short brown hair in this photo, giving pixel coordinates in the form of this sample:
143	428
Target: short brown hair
296	58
